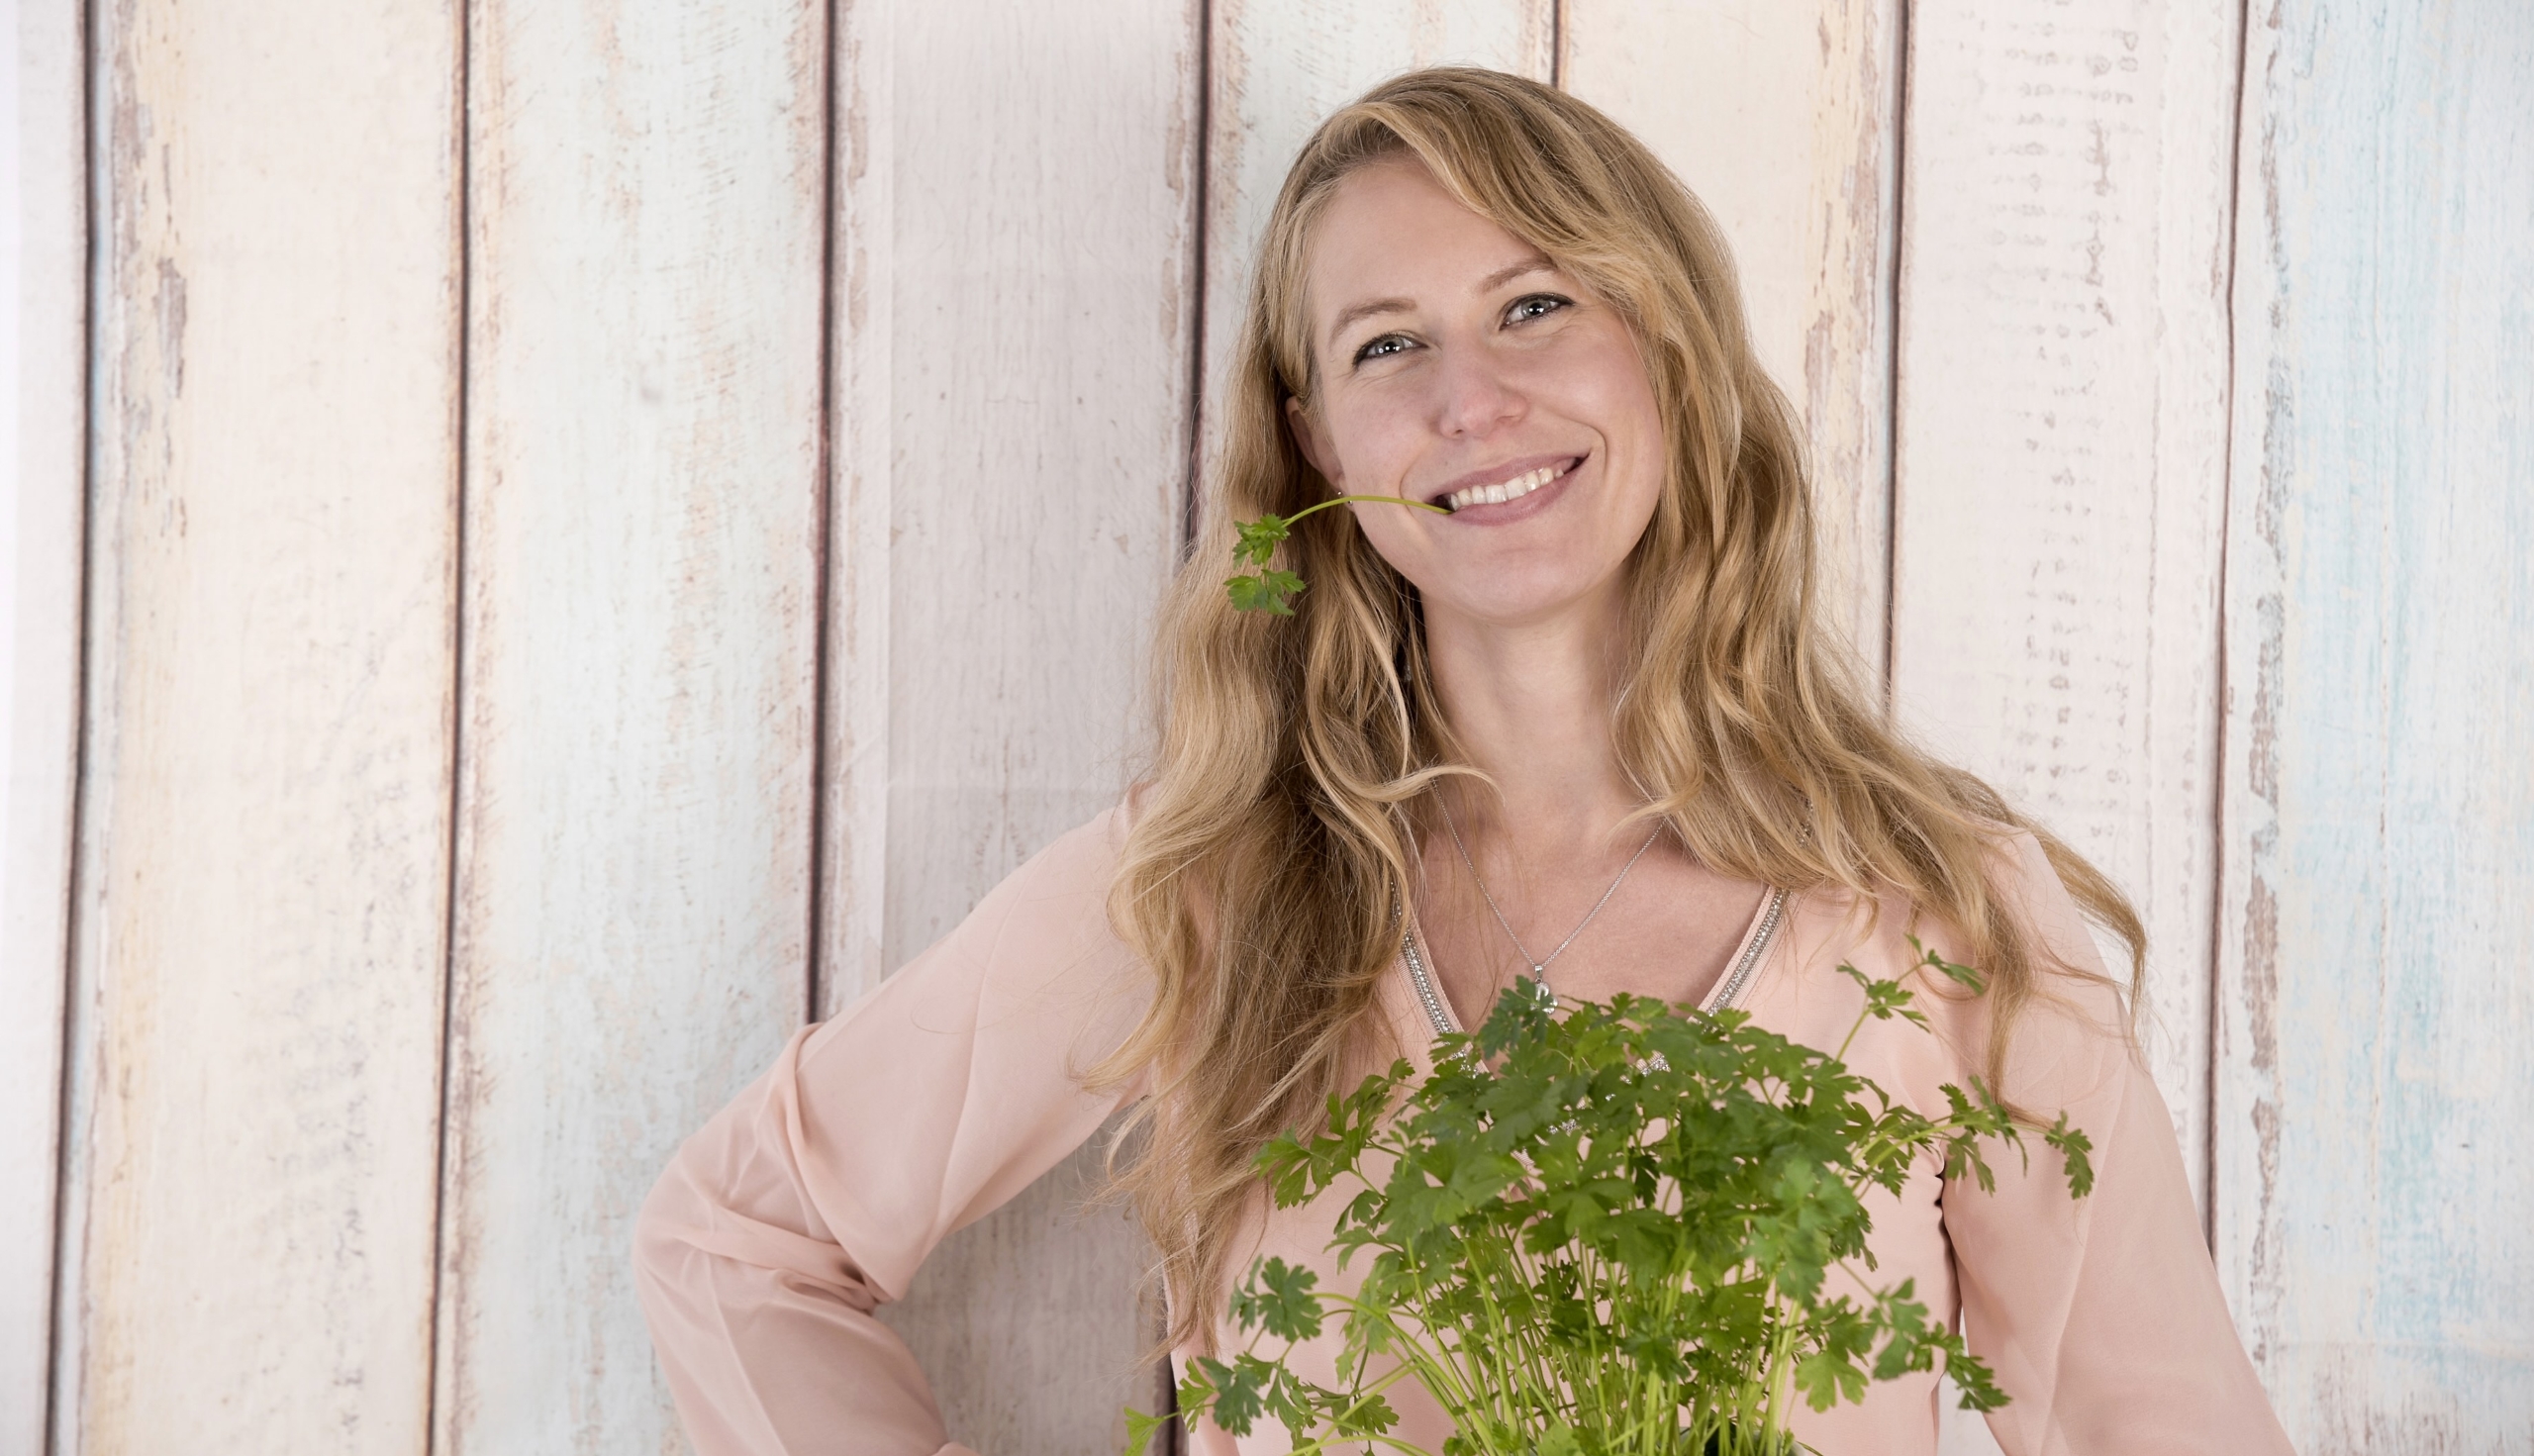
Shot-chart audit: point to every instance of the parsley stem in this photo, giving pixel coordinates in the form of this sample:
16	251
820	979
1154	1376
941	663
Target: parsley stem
1366	500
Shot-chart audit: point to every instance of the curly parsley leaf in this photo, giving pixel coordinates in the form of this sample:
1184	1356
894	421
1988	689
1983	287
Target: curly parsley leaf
1583	1203
1278	1298
1254	544
2076	1147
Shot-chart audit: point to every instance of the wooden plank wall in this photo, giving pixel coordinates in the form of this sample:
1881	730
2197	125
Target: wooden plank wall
639	668
1030	186
605	530
2375	1162
42	429
261	916
2060	424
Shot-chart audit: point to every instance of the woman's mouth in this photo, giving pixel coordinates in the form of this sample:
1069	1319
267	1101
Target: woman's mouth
1514	489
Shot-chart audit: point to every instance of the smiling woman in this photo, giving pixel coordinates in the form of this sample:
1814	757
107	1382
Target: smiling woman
1590	707
1504	389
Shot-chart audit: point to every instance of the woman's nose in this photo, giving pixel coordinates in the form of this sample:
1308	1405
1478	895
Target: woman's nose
1473	397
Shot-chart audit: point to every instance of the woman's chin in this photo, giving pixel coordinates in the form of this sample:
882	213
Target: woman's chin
1513	602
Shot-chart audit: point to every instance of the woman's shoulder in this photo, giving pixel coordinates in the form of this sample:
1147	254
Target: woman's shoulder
1082	859
1035	958
2020	878
2068	1001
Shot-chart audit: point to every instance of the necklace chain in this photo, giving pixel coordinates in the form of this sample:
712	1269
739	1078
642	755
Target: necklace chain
1539	964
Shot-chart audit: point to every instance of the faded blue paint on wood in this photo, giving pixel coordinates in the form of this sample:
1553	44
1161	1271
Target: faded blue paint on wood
2373	1161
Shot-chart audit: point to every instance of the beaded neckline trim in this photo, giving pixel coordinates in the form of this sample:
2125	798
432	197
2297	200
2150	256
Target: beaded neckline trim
1735	981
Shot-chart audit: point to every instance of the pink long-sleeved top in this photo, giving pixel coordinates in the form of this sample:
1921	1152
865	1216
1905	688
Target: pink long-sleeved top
814	1197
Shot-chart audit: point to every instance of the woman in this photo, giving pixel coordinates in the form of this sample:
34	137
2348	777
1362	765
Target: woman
1584	728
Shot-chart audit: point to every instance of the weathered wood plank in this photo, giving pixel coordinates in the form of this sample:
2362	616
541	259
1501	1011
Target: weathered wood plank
1015	311
1784	118
2375	1162
265	824
863	424
1279	68
635	785
43	441
2061	448
1035	1322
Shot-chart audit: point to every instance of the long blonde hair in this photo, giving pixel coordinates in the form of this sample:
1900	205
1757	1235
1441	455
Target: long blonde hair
1274	839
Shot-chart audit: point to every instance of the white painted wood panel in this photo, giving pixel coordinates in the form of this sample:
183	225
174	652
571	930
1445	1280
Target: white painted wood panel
43	443
1041	194
2062	437
1016	308
2375	1162
862	426
265	813
1783	116
1279	68
635	783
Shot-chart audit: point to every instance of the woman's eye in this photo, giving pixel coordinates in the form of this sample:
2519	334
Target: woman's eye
1534	306
1381	348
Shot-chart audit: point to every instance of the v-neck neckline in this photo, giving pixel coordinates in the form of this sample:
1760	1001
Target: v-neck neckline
1728	987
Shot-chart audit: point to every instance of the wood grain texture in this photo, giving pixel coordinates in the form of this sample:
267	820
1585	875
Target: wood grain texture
1784	118
863	424
1279	68
1016	310
2062	448
1035	1322
635	783
1041	215
43	443
2375	1163
264	823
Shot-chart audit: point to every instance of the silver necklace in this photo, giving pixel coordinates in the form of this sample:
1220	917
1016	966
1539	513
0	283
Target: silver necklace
1539	964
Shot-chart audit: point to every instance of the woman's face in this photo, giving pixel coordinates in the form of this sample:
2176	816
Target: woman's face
1458	364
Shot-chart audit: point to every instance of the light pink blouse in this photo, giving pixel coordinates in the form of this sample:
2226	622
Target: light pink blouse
815	1194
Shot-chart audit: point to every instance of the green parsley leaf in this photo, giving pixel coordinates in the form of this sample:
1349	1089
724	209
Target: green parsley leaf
1609	1228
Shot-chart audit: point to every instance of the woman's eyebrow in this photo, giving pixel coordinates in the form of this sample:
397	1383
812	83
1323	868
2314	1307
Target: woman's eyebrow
1535	264
1367	308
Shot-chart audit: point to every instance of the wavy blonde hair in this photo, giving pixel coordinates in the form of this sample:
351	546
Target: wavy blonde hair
1276	837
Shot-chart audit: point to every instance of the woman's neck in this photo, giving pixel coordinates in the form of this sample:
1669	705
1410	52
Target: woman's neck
1532	706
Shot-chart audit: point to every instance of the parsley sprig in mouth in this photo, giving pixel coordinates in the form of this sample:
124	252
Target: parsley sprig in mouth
1273	589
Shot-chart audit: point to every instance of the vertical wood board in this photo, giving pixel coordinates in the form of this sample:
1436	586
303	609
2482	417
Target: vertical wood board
1278	68
2373	1158
1015	301
2061	433
264	830
43	422
1040	218
1783	119
854	865
636	791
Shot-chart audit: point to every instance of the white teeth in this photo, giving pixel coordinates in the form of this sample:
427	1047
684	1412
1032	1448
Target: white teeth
1509	490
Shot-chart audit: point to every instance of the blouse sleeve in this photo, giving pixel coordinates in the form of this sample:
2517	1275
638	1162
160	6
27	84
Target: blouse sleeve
814	1196
2102	1315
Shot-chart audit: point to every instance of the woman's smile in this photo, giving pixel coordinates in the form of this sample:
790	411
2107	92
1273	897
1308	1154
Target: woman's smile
1508	494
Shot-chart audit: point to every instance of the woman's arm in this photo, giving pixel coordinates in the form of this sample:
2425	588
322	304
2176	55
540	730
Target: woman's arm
814	1196
2101	1316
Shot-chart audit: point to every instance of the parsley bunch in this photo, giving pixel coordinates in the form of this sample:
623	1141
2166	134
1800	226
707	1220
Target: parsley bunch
1606	1229
1273	589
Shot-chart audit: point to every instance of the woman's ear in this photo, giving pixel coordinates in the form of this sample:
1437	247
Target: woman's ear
1313	449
